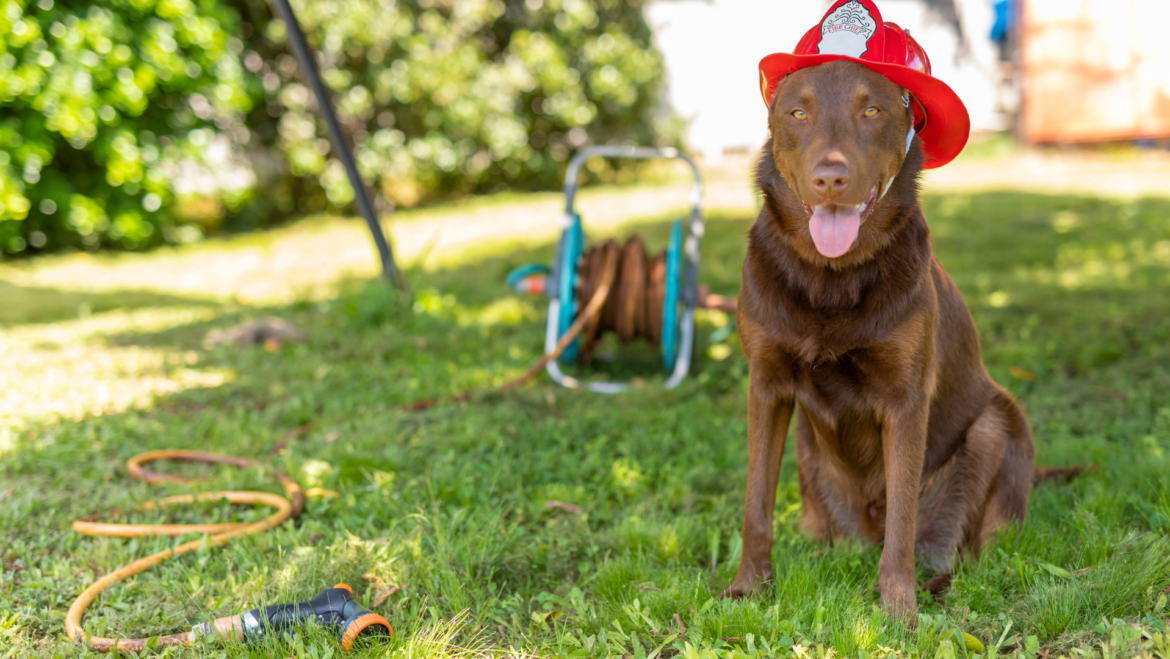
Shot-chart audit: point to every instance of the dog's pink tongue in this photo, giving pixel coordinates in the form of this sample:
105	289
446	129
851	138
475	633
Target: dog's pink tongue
833	231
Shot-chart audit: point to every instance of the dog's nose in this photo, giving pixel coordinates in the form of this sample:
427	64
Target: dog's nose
830	179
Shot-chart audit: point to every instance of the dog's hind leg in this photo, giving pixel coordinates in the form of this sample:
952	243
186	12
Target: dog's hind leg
984	485
1008	499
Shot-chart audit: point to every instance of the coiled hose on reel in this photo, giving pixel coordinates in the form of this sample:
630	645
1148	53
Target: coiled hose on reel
635	308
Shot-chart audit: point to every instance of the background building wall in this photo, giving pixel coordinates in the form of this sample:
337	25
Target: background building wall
1096	70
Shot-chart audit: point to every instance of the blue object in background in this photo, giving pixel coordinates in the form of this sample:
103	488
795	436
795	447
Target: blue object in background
1005	19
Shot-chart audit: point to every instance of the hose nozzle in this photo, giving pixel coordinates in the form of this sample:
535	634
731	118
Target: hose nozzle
334	607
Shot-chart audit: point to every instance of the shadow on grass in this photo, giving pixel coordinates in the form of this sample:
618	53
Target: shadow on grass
450	503
25	305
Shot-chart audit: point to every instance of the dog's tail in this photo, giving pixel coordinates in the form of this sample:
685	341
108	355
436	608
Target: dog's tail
1042	474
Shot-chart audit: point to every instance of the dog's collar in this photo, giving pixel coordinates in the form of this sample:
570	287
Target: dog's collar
910	112
909	135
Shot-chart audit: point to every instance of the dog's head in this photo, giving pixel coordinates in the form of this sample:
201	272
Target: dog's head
839	139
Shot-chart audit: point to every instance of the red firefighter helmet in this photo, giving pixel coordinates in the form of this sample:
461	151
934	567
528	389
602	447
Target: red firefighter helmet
853	30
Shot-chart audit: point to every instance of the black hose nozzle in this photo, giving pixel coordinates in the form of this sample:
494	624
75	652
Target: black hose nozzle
334	607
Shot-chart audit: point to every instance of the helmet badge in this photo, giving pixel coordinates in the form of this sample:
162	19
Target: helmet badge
847	30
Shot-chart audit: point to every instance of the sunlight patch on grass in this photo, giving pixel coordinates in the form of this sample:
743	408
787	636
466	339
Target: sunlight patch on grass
506	311
79	368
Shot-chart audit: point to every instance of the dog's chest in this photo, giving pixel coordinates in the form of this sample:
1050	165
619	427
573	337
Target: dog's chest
843	386
839	402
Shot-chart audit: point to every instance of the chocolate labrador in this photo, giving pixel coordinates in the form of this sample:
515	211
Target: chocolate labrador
902	437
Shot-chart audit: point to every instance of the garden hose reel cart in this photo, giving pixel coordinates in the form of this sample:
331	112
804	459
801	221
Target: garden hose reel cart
680	285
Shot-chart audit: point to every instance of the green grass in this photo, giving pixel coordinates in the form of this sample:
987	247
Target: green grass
1070	296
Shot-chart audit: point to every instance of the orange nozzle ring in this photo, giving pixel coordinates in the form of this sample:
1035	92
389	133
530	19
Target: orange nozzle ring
356	627
345	586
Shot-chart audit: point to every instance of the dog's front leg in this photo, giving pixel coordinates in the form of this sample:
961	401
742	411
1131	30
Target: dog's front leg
903	448
769	411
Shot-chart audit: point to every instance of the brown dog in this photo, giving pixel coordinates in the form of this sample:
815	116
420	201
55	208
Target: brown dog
902	436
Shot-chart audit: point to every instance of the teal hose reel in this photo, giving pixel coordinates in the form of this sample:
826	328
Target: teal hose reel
681	278
567	291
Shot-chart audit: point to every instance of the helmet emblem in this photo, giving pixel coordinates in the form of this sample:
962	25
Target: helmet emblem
847	30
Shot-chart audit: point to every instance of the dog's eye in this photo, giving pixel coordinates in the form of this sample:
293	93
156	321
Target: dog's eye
871	111
799	114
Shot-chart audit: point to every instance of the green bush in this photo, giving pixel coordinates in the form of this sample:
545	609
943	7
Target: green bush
471	95
104	107
132	122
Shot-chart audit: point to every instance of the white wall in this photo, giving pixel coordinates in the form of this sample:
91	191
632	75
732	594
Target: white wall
713	48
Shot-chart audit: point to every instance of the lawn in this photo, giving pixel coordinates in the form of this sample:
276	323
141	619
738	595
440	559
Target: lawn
1070	296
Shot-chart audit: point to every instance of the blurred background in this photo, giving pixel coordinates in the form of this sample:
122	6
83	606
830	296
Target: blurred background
127	124
1039	71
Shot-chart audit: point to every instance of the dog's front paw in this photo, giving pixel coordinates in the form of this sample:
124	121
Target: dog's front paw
899	601
737	591
748	581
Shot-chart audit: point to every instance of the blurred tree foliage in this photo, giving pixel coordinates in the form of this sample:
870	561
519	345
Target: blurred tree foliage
103	107
127	123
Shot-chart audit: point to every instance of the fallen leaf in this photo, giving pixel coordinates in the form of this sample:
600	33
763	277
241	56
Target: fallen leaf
315	537
545	617
972	644
321	493
382	591
570	508
1054	570
269	332
682	629
383	594
332	437
1022	374
650	586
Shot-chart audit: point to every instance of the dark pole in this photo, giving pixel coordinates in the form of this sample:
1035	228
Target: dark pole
297	37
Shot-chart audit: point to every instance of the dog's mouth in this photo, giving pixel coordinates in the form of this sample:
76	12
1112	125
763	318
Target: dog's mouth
834	227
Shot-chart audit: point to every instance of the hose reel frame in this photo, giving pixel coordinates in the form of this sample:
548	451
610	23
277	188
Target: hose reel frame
678	332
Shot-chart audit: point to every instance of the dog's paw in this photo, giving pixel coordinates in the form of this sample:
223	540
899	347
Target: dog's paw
735	591
901	603
938	585
746	584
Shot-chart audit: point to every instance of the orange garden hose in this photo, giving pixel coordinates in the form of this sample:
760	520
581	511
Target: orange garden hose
219	534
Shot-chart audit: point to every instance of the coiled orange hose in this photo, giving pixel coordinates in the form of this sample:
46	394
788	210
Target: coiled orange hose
219	534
